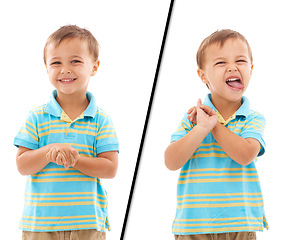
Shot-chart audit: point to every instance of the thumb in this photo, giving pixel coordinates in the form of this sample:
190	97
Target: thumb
199	102
74	152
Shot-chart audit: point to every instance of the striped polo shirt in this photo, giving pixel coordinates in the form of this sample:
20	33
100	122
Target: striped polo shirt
214	193
57	199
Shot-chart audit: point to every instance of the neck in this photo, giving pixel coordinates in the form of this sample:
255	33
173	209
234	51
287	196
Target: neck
226	108
73	105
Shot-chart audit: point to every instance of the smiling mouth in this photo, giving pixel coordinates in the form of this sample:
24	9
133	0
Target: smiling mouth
67	79
235	83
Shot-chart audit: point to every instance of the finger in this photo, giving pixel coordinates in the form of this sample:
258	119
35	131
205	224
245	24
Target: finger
66	165
76	156
48	156
192	113
70	157
65	161
192	116
199	102
194	121
213	112
54	154
73	160
60	159
70	160
190	110
209	111
74	152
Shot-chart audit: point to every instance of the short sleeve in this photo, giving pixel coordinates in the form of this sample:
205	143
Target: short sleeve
106	138
184	127
254	128
28	134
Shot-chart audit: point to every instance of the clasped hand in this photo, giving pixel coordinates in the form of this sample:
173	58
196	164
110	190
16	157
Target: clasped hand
63	154
203	116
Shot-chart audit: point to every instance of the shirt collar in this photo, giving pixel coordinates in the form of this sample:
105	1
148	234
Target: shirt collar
54	108
242	111
92	107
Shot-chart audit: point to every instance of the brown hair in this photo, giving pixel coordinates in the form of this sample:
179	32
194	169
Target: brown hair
219	37
73	31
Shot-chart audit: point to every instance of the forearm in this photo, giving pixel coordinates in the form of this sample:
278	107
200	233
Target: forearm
31	161
241	150
179	152
103	166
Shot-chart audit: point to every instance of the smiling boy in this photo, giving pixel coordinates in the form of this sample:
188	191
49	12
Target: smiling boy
66	146
218	193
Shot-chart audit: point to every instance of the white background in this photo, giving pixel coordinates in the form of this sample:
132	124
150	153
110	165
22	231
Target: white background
130	35
264	24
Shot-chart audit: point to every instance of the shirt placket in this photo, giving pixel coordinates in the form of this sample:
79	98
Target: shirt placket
70	132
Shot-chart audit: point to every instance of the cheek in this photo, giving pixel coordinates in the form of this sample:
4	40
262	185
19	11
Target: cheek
247	72
52	74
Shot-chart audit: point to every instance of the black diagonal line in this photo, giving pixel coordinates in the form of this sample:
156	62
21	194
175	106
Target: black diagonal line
147	118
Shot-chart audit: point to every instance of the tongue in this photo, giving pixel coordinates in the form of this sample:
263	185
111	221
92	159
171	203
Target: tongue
235	84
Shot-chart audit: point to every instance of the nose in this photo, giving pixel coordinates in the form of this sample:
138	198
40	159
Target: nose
65	69
232	68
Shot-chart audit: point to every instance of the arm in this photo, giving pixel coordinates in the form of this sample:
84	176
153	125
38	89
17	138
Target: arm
179	152
31	161
241	150
104	166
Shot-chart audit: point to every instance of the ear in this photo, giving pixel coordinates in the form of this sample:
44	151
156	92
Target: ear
202	76
95	67
251	70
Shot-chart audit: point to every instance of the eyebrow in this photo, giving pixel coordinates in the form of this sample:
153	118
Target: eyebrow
238	56
73	56
76	56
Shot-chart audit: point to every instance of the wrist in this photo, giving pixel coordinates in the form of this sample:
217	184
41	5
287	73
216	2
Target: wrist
203	130
76	161
217	127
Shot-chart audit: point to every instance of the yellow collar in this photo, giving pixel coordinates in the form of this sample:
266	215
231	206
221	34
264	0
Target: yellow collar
65	117
221	119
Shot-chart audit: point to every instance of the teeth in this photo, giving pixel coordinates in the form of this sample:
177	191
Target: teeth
232	79
66	80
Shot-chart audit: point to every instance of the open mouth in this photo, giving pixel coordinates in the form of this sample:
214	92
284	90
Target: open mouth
235	83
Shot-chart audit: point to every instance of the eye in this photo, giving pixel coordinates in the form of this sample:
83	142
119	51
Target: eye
220	63
56	63
241	61
76	61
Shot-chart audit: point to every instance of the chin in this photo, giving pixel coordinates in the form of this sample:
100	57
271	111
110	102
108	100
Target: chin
236	98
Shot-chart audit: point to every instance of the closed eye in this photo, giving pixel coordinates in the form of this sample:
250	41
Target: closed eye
219	63
241	61
55	63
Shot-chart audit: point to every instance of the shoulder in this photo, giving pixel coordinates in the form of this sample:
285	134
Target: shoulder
39	110
37	113
186	124
102	118
254	122
253	113
184	127
256	116
100	112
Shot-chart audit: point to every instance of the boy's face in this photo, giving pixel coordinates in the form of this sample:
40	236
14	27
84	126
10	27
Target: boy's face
70	66
227	70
